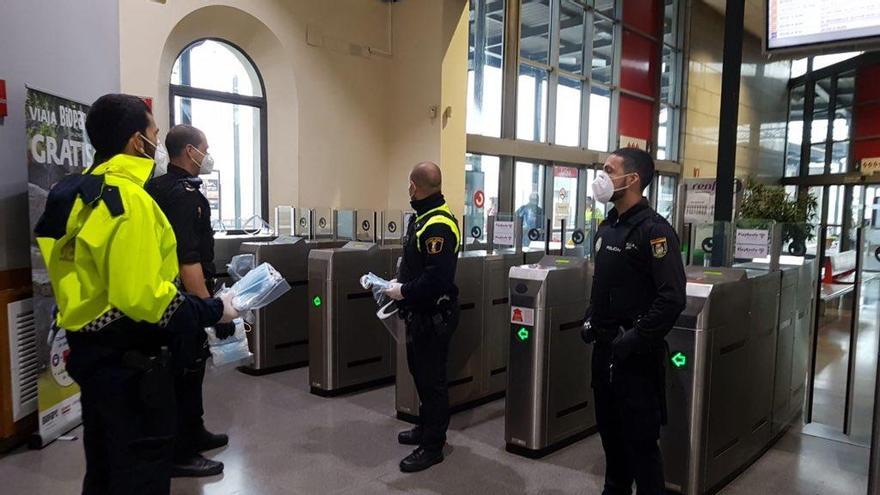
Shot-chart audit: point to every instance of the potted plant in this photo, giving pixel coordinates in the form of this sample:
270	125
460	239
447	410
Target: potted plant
769	202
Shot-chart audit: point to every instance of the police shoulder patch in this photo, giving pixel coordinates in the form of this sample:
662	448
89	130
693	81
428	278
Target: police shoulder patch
434	245
659	247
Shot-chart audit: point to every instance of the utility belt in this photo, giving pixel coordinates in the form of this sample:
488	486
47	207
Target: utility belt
443	305
441	317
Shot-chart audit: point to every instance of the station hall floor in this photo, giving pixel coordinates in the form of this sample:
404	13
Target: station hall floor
284	440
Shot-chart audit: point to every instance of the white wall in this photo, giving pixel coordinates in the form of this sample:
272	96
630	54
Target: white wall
68	48
345	126
429	70
327	107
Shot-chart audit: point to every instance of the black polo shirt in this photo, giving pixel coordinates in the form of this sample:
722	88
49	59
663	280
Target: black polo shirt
179	196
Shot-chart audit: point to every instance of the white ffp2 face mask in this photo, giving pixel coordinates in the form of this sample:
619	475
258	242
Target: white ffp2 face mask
207	165
603	186
160	157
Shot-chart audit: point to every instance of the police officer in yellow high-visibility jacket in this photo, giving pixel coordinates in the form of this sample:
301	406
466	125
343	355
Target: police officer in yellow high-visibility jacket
428	300
112	260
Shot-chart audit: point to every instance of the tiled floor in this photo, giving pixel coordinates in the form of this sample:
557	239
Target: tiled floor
286	441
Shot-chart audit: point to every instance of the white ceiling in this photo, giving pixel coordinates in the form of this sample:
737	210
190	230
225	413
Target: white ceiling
754	15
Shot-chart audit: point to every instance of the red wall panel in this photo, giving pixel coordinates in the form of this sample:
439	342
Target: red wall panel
866	116
866	120
643	15
636	118
638	64
867	87
865	149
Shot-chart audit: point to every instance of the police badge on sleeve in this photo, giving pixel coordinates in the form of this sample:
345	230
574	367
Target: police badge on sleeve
659	247
435	245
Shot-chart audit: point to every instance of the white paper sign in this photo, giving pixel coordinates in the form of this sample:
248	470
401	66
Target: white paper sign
870	165
633	142
522	316
752	243
503	233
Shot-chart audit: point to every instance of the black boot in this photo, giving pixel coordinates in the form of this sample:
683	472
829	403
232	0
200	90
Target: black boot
420	460
195	466
205	440
410	437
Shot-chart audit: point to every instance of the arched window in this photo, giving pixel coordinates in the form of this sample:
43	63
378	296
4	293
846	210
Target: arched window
217	88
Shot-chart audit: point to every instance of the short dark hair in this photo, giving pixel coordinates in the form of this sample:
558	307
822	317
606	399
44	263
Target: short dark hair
111	121
637	161
181	136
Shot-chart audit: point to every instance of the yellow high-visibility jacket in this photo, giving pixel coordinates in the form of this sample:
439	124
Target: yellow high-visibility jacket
116	255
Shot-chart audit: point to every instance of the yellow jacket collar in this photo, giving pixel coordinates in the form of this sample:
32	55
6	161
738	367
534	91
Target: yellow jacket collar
134	168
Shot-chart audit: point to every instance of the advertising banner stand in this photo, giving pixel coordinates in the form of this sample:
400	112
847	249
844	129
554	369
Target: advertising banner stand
57	145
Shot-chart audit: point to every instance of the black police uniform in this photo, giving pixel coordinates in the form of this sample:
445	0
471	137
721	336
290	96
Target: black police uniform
430	310
637	294
179	196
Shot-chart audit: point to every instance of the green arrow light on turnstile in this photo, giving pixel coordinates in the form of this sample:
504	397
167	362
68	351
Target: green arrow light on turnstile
317	301
679	360
522	334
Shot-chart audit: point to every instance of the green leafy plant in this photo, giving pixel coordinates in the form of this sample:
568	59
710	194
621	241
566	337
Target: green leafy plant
768	202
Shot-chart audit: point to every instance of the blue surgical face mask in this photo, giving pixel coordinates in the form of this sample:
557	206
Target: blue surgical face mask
258	288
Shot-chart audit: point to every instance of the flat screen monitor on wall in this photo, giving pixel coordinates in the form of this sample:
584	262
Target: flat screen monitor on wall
821	25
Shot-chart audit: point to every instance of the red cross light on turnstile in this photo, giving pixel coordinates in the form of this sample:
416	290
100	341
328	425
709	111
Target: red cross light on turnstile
517	315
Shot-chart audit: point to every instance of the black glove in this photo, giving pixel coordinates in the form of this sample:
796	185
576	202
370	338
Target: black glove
628	342
587	333
224	330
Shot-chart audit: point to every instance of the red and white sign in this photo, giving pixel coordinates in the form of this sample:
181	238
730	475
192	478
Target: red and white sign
522	316
633	142
4	110
479	199
568	172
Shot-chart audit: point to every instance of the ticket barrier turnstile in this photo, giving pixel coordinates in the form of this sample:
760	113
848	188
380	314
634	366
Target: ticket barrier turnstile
724	354
794	328
280	334
466	364
349	347
549	399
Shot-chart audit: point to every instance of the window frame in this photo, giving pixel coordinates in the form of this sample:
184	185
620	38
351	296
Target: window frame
259	102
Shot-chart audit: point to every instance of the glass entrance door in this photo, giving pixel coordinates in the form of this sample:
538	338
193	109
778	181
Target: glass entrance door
846	345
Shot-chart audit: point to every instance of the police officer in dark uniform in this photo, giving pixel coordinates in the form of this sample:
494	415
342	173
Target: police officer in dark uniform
179	196
428	302
638	292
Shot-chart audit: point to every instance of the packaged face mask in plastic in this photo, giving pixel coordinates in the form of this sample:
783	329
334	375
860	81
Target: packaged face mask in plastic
232	350
377	284
258	288
240	265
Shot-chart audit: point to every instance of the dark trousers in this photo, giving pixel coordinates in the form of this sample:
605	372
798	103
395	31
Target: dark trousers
189	353
427	350
629	416
128	421
190	409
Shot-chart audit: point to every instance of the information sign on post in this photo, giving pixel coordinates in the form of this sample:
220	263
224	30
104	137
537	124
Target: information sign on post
503	233
752	243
